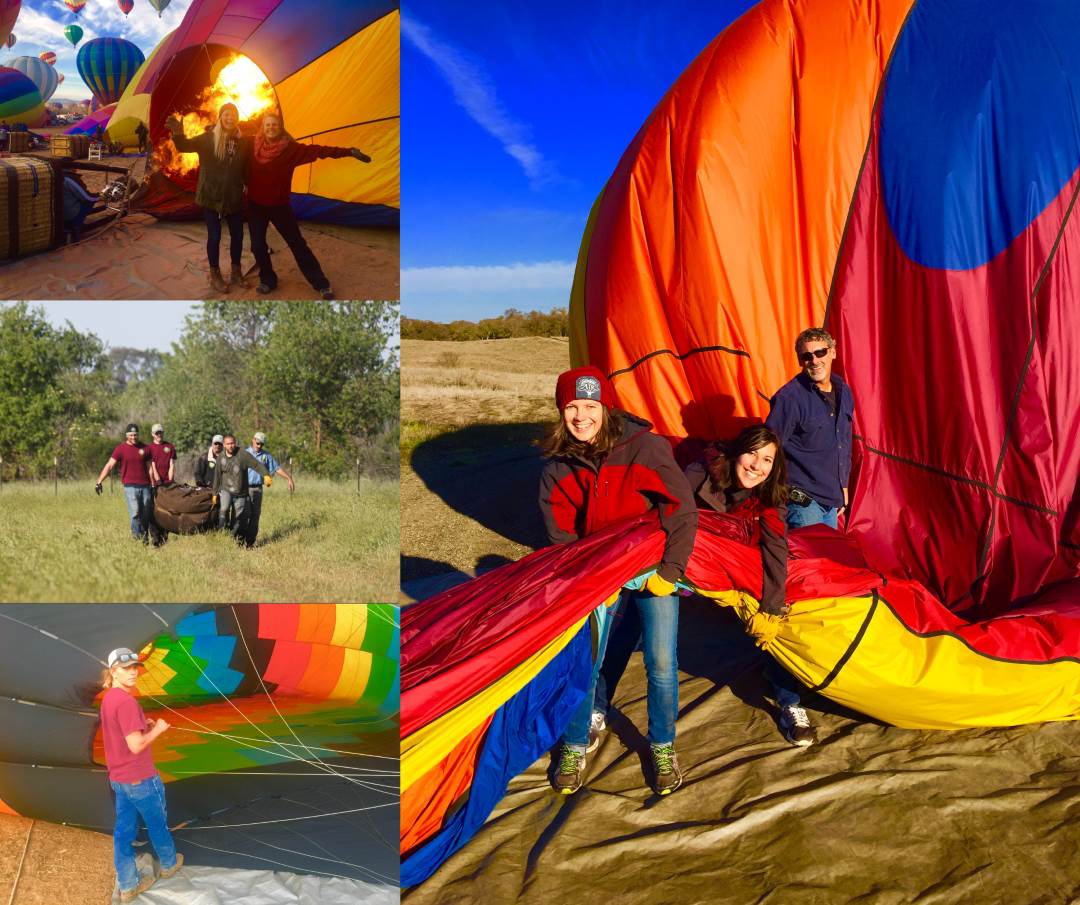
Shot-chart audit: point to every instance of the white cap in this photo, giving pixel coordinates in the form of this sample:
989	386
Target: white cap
123	656
260	436
218	439
157	429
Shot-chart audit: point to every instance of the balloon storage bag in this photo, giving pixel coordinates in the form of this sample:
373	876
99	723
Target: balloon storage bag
31	206
183	509
72	147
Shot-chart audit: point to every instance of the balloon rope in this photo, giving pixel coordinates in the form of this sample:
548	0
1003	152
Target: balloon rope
244	738
22	857
229	826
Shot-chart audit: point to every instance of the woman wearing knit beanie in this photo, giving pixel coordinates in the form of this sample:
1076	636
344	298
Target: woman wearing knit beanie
605	465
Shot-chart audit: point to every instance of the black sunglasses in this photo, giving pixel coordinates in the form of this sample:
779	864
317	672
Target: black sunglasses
807	357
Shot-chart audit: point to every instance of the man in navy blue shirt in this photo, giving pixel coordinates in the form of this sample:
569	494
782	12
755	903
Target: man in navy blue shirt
812	415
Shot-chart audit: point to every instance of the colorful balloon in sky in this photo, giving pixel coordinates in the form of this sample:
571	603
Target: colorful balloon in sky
44	76
9	12
48	56
73	33
160	5
126	6
107	65
75	5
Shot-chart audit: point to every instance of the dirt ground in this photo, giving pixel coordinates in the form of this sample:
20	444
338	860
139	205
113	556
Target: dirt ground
871	814
140	257
61	865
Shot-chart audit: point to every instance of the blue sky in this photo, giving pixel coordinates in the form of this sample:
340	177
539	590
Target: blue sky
139	325
40	27
513	117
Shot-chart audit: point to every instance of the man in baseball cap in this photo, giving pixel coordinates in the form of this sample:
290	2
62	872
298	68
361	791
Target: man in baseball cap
204	468
164	455
123	656
138	475
255	483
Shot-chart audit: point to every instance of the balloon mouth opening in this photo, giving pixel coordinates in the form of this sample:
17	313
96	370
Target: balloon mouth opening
198	100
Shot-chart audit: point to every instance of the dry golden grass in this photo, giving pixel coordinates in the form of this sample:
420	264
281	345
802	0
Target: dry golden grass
44	863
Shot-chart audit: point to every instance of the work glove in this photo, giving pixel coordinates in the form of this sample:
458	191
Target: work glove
782	609
268	480
213	500
659	586
360	155
97	489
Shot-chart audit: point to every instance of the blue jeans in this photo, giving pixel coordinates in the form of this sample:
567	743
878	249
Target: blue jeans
140	503
240	514
659	618
146	798
813	513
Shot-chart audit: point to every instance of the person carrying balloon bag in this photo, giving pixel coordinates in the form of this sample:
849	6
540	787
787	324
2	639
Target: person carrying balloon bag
223	161
275	157
605	465
137	788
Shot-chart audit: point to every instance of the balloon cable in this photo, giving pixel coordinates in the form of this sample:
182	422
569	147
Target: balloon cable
22	858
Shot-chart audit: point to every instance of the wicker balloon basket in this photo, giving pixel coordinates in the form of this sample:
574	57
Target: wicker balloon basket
18	142
31	206
73	147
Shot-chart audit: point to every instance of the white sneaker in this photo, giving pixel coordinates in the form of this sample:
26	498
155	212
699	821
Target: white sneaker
596	726
796	727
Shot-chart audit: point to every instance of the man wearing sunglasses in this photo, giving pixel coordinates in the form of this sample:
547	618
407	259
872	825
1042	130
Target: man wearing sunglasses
812	415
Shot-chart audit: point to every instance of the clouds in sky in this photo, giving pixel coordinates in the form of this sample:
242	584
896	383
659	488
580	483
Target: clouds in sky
553	275
476	95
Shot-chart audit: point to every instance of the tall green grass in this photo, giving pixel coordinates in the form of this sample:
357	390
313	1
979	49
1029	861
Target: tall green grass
324	543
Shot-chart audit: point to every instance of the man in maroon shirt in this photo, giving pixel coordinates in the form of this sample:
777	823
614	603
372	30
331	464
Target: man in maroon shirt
164	455
269	187
127	735
139	476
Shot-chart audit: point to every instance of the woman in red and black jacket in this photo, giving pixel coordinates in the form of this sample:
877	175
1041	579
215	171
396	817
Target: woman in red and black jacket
747	477
275	157
605	465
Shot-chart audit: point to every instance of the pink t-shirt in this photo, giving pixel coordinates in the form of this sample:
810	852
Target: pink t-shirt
120	716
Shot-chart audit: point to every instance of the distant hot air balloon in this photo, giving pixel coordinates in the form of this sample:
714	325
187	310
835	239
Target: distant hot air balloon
11	40
60	78
160	5
48	56
9	12
107	65
73	33
75	5
39	72
126	6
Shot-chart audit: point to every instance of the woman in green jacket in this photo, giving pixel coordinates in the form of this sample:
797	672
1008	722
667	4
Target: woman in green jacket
223	161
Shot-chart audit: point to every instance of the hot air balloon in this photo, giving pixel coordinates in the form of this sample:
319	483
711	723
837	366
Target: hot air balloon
107	65
48	56
73	33
44	76
20	100
126	6
160	5
844	167
275	711
338	83
9	12
11	40
75	5
60	77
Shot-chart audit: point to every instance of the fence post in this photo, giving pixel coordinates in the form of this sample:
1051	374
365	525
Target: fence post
1	473
357	475
112	480
56	476
292	473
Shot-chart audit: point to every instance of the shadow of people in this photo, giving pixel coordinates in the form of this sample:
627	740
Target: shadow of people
490	473
288	529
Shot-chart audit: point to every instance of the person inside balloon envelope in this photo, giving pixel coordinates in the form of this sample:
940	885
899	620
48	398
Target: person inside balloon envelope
603	466
137	788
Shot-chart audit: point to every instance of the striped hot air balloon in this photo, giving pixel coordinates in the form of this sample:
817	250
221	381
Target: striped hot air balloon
126	6
75	5
48	56
73	33
20	100
44	76
9	12
107	66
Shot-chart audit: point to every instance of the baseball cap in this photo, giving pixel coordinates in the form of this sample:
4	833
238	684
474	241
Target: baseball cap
123	656
131	427
218	439
157	429
260	436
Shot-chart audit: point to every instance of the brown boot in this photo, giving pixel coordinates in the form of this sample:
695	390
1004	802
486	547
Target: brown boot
165	874
217	283
132	894
236	276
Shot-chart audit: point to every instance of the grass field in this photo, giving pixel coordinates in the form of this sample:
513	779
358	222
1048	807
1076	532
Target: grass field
470	413
324	543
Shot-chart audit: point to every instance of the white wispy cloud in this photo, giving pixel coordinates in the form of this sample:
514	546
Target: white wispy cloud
476	95
488	277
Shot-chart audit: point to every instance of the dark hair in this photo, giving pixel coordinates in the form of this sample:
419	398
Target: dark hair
226	437
720	456
560	442
814	335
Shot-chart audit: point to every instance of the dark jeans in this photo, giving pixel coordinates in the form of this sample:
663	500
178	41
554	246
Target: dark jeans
213	236
255	494
240	513
284	220
74	225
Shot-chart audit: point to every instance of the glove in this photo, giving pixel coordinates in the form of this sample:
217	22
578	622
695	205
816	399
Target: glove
268	480
782	610
213	500
659	586
360	155
97	489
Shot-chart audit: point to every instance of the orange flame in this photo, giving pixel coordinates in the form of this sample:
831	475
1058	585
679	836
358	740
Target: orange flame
240	82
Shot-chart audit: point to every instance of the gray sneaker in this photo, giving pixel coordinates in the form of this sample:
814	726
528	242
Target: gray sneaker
668	776
571	771
598	725
796	727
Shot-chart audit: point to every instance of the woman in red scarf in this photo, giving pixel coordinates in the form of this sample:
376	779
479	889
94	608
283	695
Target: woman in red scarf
269	184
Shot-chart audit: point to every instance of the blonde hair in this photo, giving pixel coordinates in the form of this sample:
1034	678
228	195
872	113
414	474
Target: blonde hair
106	678
221	134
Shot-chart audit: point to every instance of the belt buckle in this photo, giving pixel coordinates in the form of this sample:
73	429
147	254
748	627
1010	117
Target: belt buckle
800	496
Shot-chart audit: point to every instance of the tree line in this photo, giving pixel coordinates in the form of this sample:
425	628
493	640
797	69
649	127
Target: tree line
511	323
321	379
